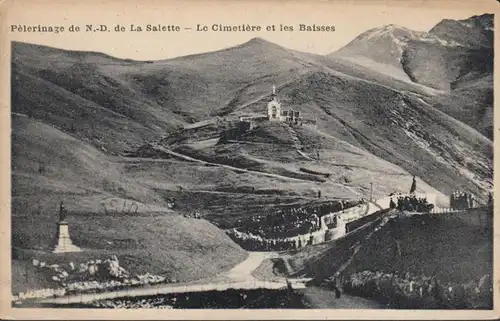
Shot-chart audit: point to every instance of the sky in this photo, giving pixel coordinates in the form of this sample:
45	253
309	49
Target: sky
350	19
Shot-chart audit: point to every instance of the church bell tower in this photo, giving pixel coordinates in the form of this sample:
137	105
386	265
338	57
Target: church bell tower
274	107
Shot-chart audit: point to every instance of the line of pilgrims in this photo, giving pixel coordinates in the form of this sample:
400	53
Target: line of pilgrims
462	200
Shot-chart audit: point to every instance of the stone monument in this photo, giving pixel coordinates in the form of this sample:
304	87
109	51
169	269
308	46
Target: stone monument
63	241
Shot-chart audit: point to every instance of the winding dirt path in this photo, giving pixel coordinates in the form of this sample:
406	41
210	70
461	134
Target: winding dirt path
239	277
196	160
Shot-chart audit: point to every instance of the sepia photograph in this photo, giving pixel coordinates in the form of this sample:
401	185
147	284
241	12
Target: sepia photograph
251	162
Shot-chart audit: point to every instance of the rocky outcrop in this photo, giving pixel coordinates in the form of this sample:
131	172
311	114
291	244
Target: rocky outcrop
107	269
100	270
94	275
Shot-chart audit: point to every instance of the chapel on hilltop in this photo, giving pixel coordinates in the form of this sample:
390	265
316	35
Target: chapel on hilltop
275	113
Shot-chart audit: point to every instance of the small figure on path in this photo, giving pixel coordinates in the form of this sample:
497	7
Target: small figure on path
471	200
337	285
413	185
41	168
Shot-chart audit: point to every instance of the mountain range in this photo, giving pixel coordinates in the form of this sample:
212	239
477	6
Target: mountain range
455	57
391	104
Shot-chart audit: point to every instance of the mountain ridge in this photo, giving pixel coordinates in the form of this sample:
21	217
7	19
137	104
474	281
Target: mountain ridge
159	97
451	54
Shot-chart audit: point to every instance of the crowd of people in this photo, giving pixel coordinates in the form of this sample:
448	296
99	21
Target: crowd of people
289	222
411	203
461	200
252	242
292	221
287	229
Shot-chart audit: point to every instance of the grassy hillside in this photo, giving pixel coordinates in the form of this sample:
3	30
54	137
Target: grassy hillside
371	128
87	95
116	140
90	94
291	152
448	249
49	166
472	103
401	128
215	83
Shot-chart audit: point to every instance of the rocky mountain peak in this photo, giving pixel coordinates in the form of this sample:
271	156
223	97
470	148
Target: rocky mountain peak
476	31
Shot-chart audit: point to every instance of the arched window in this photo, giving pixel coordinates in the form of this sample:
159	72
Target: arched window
273	111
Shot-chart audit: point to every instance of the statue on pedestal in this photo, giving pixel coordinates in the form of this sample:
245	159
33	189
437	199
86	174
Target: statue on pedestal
62	212
63	241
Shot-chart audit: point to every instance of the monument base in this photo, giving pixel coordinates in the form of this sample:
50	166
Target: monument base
63	243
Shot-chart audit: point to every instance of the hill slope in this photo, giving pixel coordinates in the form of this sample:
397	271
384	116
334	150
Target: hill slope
87	95
49	166
134	101
432	245
215	83
399	127
301	153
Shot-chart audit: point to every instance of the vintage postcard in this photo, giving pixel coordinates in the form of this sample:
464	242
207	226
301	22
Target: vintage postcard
248	159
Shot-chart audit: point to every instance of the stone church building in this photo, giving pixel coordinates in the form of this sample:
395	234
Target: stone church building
275	113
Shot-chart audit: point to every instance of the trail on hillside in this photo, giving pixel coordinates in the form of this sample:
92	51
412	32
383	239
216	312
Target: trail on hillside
239	277
297	143
301	153
192	159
